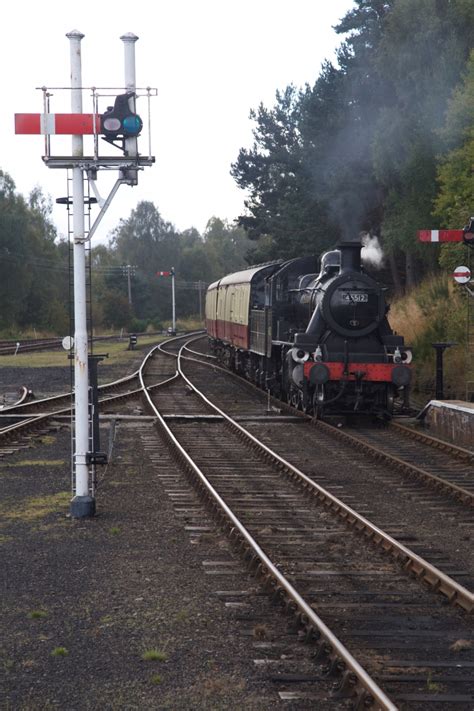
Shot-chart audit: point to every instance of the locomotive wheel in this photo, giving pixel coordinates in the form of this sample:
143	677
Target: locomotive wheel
318	402
295	398
390	400
318	412
308	408
300	405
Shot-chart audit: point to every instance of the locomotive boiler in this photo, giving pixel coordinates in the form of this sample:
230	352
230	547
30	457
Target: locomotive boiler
317	337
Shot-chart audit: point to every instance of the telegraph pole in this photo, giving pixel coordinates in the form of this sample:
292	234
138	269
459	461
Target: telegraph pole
129	282
128	270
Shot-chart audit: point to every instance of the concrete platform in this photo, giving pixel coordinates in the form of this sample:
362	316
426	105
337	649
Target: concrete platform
450	419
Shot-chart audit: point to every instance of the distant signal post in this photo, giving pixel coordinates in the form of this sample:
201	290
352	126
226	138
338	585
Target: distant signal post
462	276
171	273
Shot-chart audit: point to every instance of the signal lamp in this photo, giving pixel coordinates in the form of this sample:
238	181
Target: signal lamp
120	120
132	125
468	233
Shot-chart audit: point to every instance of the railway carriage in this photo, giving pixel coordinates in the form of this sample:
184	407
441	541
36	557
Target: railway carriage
316	336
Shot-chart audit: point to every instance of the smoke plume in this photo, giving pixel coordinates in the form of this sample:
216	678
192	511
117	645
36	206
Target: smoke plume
371	253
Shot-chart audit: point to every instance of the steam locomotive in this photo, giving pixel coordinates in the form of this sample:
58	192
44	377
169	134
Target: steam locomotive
319	339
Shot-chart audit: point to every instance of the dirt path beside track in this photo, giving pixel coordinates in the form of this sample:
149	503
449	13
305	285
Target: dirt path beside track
84	604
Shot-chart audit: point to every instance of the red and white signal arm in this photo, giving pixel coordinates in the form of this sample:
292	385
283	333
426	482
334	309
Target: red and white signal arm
440	235
462	275
66	124
164	273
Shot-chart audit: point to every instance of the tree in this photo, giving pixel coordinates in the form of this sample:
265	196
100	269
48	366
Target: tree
454	201
283	202
29	256
146	240
226	245
421	55
359	149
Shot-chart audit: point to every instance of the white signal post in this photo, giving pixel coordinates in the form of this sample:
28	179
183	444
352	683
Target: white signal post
131	143
78	124
171	273
83	503
173	300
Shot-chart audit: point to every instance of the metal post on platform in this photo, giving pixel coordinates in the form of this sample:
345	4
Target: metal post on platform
440	348
82	503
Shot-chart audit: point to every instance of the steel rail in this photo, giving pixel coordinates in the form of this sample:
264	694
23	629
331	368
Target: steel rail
457	492
17	427
193	336
104	387
34	418
202	355
454	449
53	398
24	424
24	392
309	617
438	580
7	347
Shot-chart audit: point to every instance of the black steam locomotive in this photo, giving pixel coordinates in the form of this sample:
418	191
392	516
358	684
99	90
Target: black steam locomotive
318	339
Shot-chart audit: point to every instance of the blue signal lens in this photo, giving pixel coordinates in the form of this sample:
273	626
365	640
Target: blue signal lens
132	125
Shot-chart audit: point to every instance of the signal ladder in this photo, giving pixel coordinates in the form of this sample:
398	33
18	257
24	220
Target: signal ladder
87	225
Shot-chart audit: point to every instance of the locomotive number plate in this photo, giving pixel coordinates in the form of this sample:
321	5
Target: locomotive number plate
356	297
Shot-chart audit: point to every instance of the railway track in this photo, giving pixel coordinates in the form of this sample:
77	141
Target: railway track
26	417
424	459
400	645
379	624
9	347
437	463
29	345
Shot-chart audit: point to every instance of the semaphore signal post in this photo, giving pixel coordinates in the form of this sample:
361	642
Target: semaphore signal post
120	127
462	276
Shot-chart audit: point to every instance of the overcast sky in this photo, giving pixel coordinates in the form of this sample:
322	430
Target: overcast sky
211	61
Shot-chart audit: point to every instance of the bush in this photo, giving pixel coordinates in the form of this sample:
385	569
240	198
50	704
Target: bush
155	324
435	311
138	325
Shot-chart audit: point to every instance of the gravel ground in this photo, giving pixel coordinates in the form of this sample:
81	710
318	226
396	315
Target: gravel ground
84	603
44	382
41	381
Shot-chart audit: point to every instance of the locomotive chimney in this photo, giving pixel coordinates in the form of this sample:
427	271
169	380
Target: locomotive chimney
350	248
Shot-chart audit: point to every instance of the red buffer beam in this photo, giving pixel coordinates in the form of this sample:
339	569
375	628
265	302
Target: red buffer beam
440	235
65	124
